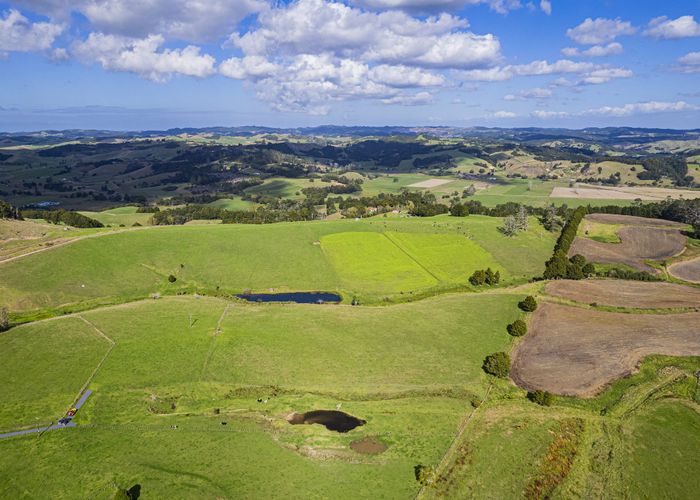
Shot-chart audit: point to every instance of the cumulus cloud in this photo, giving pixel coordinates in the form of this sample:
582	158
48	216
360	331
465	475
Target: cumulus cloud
588	73
193	20
666	29
599	31
18	34
503	114
538	113
689	63
594	51
502	73
648	107
419	99
318	26
144	56
643	108
304	55
535	93
546	7
501	6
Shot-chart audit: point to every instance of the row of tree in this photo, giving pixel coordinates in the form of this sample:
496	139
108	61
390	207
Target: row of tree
67	217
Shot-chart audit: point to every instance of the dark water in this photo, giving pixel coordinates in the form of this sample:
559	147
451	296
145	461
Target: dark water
298	297
333	420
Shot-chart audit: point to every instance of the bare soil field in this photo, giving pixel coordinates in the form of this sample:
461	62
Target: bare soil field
579	358
620	293
631	220
639	243
688	270
430	183
621	193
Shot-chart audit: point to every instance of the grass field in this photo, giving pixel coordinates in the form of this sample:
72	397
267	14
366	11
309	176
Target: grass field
43	367
391	366
240	257
126	216
234	203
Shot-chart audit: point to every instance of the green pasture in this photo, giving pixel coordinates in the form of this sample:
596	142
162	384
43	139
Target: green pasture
126	216
43	366
235	203
407	370
287	256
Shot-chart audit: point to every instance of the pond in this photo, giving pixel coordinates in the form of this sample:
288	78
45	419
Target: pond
298	297
333	420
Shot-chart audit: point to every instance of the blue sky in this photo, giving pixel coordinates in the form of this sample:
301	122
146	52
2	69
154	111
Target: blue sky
130	64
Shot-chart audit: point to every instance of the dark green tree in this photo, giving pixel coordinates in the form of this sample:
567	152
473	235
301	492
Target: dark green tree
542	398
517	328
528	304
497	364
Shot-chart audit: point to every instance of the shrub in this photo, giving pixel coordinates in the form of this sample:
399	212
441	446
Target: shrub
172	279
4	319
478	278
517	328
497	364
425	474
529	304
542	398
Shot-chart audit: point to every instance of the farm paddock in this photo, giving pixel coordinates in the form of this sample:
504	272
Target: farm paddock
621	293
580	357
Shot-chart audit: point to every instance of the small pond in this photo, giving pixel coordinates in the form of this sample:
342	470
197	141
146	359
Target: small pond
298	297
333	420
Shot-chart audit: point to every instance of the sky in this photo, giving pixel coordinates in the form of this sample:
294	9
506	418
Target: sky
157	64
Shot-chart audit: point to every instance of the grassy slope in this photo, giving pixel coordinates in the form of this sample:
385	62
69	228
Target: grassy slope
43	367
126	216
160	361
235	258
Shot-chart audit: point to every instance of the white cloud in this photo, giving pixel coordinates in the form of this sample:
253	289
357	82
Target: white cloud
604	75
194	20
535	93
689	63
549	114
502	73
501	6
643	108
305	55
665	28
318	27
143	56
419	99
18	34
503	114
546	7
594	51
599	31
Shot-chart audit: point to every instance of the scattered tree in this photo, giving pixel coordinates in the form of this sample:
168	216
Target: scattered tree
517	328
528	304
4	319
425	474
542	398
172	279
497	364
514	224
459	210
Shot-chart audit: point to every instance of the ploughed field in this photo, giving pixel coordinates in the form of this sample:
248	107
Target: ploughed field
687	270
630	294
577	352
639	241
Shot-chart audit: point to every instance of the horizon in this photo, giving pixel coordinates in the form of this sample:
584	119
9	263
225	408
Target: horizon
125	66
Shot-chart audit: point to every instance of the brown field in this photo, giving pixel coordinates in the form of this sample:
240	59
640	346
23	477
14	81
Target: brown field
620	293
430	183
631	220
577	352
688	270
638	244
586	191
